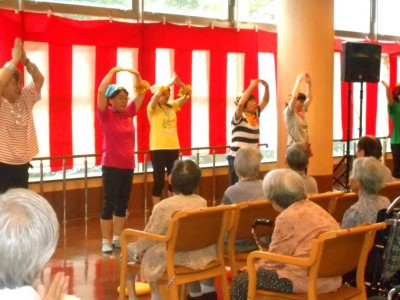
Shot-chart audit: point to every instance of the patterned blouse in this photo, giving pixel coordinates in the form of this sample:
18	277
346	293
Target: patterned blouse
295	228
365	210
153	254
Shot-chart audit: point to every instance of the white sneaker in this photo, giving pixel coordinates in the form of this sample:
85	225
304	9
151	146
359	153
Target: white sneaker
116	244
106	248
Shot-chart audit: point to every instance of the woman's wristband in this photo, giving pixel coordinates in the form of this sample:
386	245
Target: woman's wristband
11	66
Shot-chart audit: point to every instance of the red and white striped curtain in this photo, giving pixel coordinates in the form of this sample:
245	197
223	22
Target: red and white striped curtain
75	55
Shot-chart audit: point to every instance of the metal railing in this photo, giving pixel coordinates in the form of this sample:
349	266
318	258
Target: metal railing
144	165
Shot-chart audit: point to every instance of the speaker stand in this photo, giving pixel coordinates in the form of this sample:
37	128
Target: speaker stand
361	110
347	158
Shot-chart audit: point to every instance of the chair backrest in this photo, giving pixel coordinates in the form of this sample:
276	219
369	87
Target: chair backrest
246	213
326	200
391	190
342	204
196	229
342	251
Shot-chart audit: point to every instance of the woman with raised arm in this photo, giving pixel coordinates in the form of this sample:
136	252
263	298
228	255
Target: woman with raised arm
164	141
296	111
393	99
245	126
18	141
116	114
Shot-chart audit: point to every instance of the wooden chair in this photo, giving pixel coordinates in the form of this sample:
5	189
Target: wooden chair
326	200
391	190
187	231
342	204
333	253
242	221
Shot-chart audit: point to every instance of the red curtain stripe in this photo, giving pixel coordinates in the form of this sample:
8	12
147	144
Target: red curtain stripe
61	35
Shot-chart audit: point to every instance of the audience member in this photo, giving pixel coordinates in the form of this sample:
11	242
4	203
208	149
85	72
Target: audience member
18	141
298	223
245	127
369	145
184	178
116	115
164	141
29	234
297	157
296	111
249	187
367	178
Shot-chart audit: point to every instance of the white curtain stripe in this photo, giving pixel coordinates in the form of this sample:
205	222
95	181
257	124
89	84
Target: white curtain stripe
200	99
83	97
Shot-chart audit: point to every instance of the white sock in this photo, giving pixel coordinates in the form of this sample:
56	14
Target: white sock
115	237
207	288
106	241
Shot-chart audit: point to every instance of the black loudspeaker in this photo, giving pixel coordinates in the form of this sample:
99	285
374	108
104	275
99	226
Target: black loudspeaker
361	62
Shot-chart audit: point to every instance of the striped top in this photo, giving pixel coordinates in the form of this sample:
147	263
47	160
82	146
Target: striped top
245	132
18	141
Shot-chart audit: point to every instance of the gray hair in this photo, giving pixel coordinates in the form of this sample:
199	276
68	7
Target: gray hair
247	162
28	236
370	173
284	187
297	156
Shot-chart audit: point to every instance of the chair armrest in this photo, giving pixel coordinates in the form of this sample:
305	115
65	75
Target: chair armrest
297	261
130	233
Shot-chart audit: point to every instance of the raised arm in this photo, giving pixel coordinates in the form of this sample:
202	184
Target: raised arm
308	91
11	66
160	91
185	91
33	70
295	91
101	92
245	97
141	86
265	100
389	95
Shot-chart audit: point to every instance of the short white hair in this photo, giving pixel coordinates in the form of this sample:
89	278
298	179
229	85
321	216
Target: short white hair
29	232
284	187
370	173
247	162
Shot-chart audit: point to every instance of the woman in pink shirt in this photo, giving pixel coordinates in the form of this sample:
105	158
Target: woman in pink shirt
116	114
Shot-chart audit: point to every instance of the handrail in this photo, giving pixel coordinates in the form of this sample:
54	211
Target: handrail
64	158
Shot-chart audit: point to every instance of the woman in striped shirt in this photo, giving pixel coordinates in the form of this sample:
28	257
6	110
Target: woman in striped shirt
18	141
245	126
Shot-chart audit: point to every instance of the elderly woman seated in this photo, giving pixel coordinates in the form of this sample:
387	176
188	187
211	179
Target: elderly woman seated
249	187
370	146
297	156
367	178
29	235
298	223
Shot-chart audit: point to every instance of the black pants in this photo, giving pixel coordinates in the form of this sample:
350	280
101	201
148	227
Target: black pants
232	172
162	159
396	159
13	176
117	185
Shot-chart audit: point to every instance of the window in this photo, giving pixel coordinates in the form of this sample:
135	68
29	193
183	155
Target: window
257	11
352	15
386	17
116	4
213	9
